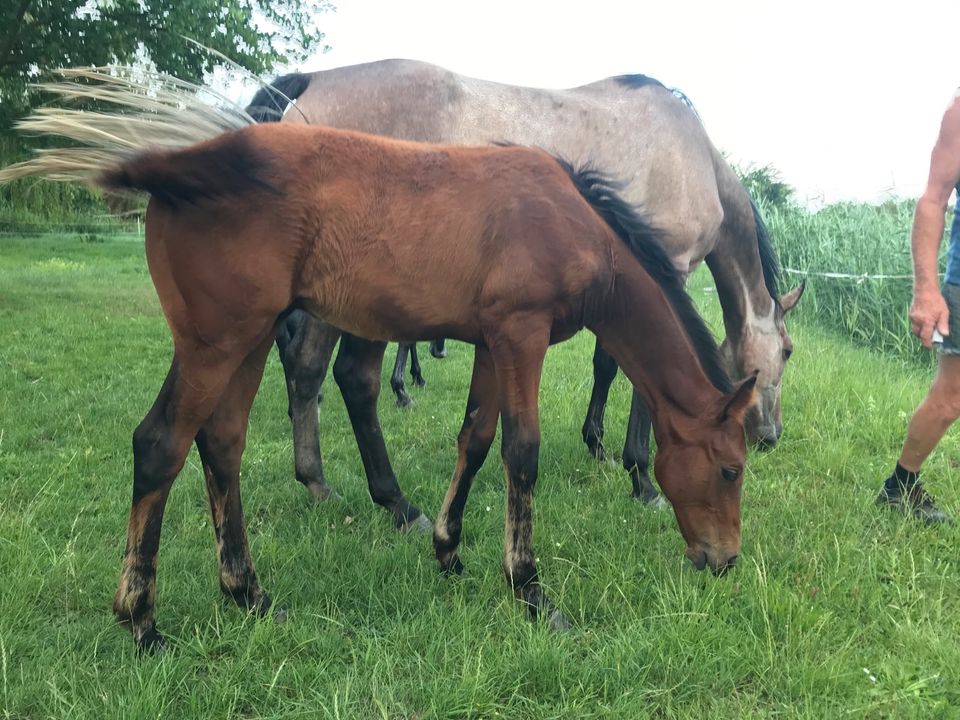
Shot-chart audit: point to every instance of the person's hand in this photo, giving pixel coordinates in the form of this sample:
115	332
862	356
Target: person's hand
928	311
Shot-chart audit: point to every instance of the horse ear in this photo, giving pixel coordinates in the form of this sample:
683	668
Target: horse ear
740	400
789	299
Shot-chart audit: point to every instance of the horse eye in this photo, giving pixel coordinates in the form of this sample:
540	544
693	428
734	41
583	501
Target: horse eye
787	352
730	474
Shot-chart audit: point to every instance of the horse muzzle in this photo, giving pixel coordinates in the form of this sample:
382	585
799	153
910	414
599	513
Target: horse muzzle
719	564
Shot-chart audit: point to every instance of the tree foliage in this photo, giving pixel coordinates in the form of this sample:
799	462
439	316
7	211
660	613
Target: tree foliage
37	35
766	186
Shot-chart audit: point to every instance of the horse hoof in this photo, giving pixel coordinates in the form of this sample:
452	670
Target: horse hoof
419	382
322	492
151	642
420	525
558	623
451	566
404	401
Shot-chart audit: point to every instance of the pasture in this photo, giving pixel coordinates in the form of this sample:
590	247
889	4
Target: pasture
834	609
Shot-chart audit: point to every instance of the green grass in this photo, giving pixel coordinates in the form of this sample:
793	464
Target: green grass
836	609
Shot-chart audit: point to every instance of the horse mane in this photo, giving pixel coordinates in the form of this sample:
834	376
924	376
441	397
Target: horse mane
636	81
270	101
643	240
768	256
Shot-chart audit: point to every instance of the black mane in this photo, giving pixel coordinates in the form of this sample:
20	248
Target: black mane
636	81
768	257
271	100
643	240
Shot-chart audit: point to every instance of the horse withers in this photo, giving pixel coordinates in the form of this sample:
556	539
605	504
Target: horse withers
521	252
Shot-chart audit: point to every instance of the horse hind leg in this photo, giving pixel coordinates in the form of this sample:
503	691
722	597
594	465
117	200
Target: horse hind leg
221	442
473	443
415	372
160	445
438	349
396	378
604	372
305	345
357	372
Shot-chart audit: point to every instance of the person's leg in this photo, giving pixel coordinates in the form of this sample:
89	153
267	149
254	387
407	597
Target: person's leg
939	409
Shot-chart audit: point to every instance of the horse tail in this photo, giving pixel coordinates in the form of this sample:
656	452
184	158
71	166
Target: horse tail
226	167
139	112
645	243
270	101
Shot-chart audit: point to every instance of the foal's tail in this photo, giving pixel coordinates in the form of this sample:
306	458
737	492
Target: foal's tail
139	112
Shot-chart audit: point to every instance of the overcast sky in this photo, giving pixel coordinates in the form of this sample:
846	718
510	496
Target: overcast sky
843	97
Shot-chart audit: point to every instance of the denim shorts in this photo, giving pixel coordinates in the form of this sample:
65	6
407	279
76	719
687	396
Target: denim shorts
951	343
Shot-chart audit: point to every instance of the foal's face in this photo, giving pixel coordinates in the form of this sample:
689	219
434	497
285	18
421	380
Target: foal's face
700	467
764	347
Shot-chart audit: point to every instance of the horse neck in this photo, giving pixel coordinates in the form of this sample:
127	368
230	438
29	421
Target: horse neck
641	330
735	265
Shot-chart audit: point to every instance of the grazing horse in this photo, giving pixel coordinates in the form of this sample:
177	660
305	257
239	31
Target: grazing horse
520	249
633	127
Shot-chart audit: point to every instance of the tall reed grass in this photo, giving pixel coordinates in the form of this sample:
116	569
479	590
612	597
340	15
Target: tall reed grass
865	241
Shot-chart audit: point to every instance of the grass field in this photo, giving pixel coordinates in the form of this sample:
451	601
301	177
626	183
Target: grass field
835	609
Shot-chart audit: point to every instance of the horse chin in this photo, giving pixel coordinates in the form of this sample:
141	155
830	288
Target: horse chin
701	561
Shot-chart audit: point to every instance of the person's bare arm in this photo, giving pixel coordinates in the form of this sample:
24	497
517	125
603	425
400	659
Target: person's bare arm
929	310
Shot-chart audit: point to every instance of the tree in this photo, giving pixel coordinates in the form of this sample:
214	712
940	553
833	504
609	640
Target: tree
37	35
766	186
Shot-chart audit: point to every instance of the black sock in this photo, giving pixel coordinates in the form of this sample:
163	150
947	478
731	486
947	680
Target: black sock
901	479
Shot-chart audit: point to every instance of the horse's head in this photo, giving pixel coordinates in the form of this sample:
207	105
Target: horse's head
763	347
699	465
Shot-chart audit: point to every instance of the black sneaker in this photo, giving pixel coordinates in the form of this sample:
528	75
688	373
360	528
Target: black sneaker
916	501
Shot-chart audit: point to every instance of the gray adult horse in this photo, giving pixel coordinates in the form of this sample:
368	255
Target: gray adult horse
631	125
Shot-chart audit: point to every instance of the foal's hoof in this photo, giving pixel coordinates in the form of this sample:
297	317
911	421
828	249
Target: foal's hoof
151	642
419	381
322	492
265	607
438	354
420	525
404	401
556	622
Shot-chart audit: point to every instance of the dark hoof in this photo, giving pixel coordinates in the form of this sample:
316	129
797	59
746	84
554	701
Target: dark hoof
594	447
151	642
265	607
419	381
322	492
420	525
438	354
404	401
451	565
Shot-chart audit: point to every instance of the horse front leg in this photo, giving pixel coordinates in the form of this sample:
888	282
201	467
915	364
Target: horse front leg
636	454
220	443
473	443
305	345
518	351
357	372
604	372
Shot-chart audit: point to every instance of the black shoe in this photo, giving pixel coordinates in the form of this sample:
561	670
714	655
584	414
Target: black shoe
916	501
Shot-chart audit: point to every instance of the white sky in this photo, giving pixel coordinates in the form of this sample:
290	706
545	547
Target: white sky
843	97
